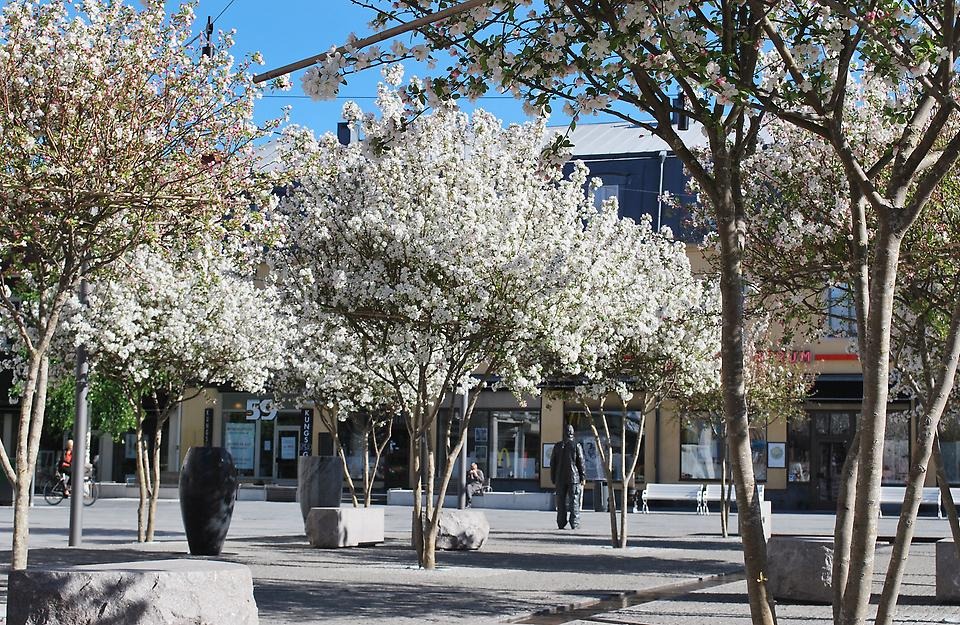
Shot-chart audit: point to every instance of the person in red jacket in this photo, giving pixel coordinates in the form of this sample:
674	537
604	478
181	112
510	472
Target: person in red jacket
66	464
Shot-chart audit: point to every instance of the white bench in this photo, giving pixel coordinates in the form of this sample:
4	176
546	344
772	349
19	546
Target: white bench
894	495
712	493
672	492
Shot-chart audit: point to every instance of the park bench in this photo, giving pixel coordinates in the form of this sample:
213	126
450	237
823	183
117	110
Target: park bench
712	493
672	492
929	496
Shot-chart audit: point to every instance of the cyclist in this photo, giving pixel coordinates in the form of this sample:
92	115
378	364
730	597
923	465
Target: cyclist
66	463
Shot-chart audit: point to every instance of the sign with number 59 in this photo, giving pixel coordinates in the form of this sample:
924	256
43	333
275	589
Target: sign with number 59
261	409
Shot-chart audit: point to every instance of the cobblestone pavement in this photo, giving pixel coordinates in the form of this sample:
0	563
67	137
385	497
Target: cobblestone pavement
526	567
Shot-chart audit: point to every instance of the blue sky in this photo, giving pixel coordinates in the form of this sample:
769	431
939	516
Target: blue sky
285	31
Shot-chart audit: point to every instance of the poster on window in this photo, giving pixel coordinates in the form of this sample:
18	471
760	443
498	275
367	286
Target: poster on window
288	447
240	443
777	455
591	458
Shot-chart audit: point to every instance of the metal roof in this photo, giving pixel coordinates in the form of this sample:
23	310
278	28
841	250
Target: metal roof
622	138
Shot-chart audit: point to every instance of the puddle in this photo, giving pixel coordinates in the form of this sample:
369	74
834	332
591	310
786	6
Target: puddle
558	616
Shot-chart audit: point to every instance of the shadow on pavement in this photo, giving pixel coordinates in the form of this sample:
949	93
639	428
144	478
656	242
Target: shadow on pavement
395	552
310	602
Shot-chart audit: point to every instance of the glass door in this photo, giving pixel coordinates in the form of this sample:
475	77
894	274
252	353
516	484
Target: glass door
287	449
829	467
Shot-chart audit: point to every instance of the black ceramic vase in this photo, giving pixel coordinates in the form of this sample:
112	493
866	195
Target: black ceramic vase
208	489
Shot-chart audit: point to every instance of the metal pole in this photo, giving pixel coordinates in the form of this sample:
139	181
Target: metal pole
368	41
80	426
462	494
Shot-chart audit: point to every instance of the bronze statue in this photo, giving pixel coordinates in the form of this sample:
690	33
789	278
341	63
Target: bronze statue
568	474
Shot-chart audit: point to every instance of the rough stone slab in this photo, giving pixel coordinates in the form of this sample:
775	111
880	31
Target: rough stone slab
800	568
331	528
948	572
462	530
319	482
161	592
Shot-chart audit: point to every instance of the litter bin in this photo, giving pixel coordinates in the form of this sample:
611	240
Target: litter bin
600	496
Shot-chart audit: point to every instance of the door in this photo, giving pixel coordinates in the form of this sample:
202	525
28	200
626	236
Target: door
287	446
829	465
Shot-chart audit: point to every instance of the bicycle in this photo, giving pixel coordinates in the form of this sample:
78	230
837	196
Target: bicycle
54	489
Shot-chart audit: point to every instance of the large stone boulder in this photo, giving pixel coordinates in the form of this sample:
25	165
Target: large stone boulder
330	528
948	572
161	592
319	482
462	530
800	568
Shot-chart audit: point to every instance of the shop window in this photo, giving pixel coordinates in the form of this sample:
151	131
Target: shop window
584	435
703	446
515	436
896	449
798	451
950	448
841	312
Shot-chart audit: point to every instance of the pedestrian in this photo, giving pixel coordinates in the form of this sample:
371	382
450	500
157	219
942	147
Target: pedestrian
474	483
66	463
568	473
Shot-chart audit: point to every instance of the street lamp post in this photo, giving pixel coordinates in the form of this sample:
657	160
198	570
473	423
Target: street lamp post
80	427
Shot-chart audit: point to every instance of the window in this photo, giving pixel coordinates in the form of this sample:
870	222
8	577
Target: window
798	451
950	448
896	449
517	437
703	446
841	312
606	192
584	435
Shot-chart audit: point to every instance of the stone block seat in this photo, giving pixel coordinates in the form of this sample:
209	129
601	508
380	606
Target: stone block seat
333	528
948	572
159	592
800	569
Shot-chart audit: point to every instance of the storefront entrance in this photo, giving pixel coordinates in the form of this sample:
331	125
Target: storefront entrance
287	445
832	435
829	468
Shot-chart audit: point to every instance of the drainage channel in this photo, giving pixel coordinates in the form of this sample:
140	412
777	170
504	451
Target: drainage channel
567	614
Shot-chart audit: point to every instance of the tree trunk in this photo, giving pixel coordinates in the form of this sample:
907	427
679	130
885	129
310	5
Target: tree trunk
876	369
725	493
946	496
860	279
366	463
143	481
28	446
155	480
843	527
429	558
918	472
730	225
418	537
378	449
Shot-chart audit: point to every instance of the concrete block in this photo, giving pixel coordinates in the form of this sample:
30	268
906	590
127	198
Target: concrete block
330	528
319	482
464	530
948	572
161	592
800	568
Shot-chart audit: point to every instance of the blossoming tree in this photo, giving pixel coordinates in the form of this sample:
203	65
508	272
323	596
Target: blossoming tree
452	247
171	326
649	330
114	134
336	370
810	210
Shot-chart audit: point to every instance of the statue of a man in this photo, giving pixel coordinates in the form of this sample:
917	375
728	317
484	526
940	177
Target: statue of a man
568	474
